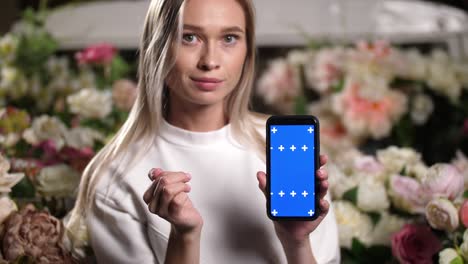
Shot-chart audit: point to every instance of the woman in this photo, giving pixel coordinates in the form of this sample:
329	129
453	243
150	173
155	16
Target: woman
191	129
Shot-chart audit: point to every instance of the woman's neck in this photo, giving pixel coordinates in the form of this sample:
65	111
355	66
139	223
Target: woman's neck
196	117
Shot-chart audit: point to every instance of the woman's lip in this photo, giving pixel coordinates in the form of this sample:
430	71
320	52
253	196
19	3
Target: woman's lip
207	84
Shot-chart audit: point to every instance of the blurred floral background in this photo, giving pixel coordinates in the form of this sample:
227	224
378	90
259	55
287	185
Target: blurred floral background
394	121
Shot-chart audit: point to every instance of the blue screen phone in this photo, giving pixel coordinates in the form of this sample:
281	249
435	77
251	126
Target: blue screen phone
292	161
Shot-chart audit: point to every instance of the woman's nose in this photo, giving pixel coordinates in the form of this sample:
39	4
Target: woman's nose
208	59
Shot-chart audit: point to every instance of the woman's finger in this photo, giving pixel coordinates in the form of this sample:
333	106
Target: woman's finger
261	177
322	174
166	197
323	189
323	160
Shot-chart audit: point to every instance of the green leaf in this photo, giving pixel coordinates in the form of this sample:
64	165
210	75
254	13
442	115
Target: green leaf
351	195
357	248
300	105
119	69
465	194
379	254
339	86
375	217
457	260
23	189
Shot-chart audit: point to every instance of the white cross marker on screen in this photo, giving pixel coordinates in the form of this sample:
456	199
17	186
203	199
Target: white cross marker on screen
293	148
311	212
271	193
271	147
310	130
274	212
305	148
281	148
281	193
293	193
274	130
305	193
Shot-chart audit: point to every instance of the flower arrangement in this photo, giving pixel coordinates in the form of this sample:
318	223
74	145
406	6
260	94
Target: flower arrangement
56	112
374	91
393	206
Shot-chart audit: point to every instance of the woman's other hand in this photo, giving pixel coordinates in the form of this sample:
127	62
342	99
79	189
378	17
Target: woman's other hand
167	197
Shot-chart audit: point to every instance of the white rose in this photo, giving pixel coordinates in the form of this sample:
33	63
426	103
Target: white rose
416	65
442	76
373	88
442	214
351	224
461	70
81	137
58	181
9	140
387	225
464	246
91	103
372	196
396	159
8	47
7	180
421	109
418	170
46	128
299	57
340	182
448	255
8	77
7	206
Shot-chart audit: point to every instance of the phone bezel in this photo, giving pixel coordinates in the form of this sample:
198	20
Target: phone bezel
293	120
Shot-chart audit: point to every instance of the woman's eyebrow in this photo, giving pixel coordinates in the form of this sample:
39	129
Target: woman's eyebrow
226	29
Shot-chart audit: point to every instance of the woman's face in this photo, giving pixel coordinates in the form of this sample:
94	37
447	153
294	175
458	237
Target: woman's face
211	54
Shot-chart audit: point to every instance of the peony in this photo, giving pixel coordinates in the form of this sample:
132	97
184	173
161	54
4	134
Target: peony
363	117
82	137
385	228
91	103
77	158
442	214
415	244
97	54
7	180
325	70
46	128
34	234
461	163
299	57
370	167
421	108
443	180
124	93
407	194
351	224
449	256
415	66
464	214
372	195
396	159
7	206
58	181
280	84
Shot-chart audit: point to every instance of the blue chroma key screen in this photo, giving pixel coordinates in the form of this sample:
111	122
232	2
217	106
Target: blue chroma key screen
292	170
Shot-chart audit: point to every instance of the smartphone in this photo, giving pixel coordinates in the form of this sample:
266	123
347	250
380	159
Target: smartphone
293	150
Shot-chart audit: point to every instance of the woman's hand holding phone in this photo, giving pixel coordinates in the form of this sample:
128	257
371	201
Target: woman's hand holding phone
167	197
295	233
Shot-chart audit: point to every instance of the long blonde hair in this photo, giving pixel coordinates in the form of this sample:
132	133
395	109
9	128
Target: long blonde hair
162	29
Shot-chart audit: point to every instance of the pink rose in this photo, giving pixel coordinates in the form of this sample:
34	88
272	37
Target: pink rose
98	54
464	213
77	158
443	180
407	194
368	164
415	244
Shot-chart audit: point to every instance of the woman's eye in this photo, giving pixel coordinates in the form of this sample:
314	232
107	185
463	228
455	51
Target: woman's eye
189	38
230	39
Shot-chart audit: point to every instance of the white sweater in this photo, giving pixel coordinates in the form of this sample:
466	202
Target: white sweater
225	191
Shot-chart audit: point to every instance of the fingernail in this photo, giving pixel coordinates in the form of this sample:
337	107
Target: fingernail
188	175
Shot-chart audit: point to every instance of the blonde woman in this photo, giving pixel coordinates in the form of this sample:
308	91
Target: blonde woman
177	183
